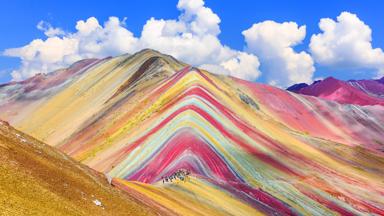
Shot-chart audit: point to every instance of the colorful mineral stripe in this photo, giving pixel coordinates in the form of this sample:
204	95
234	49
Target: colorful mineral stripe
251	148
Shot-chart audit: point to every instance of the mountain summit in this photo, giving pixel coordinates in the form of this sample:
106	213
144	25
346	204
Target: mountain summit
359	92
194	143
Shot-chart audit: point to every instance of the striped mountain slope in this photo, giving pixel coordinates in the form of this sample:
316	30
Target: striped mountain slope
250	148
359	92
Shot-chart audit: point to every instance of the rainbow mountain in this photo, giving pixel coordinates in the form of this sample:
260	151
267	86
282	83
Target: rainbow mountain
359	92
250	148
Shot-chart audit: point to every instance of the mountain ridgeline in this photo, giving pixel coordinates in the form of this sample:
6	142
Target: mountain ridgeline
359	92
249	148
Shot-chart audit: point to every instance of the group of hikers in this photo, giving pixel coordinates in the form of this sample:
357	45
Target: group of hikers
181	174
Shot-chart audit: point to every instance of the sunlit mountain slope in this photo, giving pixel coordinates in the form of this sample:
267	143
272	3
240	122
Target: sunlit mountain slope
359	92
250	148
37	179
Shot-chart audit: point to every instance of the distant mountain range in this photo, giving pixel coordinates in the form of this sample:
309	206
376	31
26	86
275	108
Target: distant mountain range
248	148
359	92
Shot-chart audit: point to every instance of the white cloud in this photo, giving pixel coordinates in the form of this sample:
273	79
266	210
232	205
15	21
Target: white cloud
61	49
272	42
243	66
346	44
48	30
192	38
200	20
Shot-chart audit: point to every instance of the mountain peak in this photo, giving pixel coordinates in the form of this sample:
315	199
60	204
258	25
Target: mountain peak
151	51
331	80
147	119
381	80
297	87
360	92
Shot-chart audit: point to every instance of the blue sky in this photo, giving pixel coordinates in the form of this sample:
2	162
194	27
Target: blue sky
19	20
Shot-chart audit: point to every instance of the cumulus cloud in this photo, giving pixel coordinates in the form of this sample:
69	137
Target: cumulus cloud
48	30
61	49
192	38
345	43
243	66
273	43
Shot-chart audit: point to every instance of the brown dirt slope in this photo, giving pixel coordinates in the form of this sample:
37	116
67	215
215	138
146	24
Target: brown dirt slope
36	179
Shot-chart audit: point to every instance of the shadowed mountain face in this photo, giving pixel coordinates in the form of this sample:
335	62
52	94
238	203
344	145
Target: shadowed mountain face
37	179
250	148
359	92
